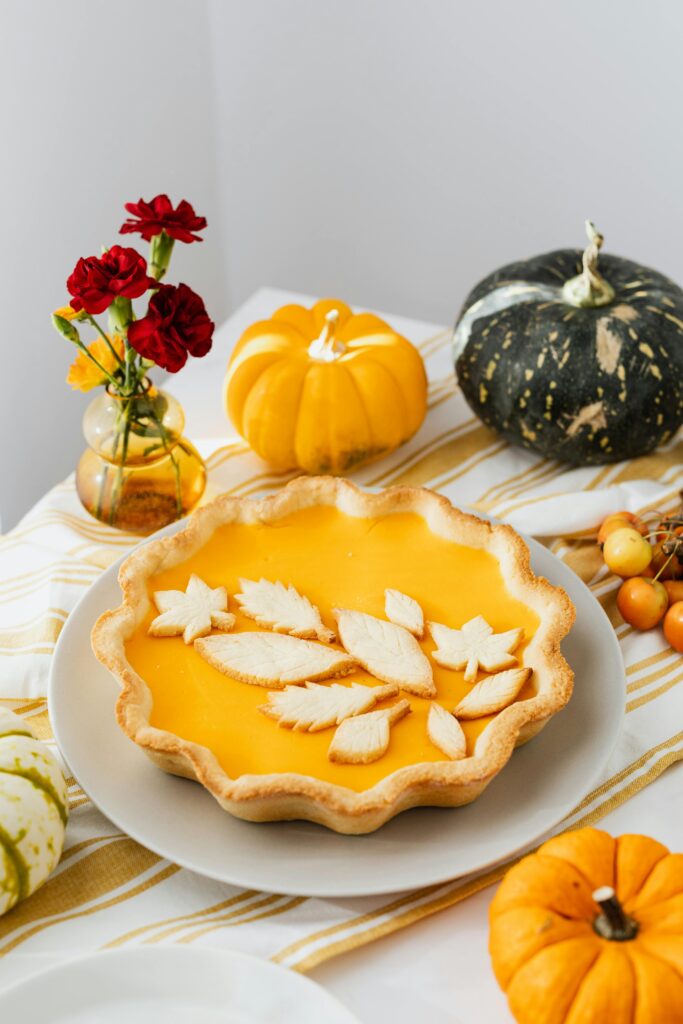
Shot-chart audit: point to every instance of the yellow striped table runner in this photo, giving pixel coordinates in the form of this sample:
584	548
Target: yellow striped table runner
110	892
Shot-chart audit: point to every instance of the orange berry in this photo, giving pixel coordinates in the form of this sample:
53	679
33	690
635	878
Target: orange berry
673	626
626	552
615	522
668	566
674	589
642	602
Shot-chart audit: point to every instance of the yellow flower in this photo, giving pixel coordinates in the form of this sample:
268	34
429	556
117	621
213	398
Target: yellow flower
66	312
83	374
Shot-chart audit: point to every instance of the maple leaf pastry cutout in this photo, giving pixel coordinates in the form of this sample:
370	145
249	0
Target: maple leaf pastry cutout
191	612
282	609
315	706
474	646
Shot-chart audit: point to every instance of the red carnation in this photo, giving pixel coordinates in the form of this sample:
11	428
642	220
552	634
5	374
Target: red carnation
97	280
176	323
158	215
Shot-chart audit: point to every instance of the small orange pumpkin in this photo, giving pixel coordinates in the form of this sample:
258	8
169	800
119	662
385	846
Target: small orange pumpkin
589	930
324	389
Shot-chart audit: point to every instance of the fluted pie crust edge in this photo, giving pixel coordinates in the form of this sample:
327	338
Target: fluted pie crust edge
287	796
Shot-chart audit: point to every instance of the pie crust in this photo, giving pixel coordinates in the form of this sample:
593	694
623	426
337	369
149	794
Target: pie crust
291	795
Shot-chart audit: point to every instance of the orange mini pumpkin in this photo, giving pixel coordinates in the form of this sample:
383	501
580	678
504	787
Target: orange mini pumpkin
589	930
324	389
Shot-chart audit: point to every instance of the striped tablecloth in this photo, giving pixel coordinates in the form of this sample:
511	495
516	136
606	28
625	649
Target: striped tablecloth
110	892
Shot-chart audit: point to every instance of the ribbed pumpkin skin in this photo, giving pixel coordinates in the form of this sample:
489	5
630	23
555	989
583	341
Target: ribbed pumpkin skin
324	417
584	386
553	965
33	811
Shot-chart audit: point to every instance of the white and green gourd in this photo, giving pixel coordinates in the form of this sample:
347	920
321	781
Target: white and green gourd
33	811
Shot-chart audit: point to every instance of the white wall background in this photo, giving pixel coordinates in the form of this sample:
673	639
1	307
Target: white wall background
101	103
388	151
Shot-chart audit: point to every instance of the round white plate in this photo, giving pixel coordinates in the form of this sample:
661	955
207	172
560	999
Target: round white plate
179	820
170	985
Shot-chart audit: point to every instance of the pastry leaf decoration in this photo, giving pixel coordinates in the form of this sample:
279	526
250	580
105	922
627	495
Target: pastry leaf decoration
474	646
492	694
365	738
445	732
386	651
313	707
283	609
404	611
273	659
191	612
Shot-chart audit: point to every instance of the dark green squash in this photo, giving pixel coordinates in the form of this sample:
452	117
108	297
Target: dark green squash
581	365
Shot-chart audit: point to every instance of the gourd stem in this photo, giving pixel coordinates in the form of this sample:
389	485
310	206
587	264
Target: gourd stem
327	346
613	923
589	288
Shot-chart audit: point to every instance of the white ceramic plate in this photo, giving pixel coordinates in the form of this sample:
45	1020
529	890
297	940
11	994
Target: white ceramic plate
179	820
170	985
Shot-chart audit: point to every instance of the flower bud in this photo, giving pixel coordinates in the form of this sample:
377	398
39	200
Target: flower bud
65	328
69	313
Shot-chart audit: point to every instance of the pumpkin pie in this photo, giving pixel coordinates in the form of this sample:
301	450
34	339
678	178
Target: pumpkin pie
335	655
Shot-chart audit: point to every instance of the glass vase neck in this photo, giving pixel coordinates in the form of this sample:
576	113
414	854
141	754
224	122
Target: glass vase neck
133	429
144	388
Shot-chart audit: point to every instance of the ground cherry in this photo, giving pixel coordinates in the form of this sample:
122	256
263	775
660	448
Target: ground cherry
642	602
674	589
673	626
667	566
615	522
626	552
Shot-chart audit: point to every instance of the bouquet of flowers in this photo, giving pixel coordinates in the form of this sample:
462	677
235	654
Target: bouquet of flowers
134	425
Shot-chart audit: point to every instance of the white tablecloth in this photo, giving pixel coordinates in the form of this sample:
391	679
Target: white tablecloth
437	966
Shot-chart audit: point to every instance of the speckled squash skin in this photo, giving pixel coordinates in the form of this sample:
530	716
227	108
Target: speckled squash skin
33	811
581	385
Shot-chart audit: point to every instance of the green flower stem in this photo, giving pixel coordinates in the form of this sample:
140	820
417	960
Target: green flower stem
176	473
68	331
127	422
164	439
98	364
120	316
91	319
129	364
160	249
118	483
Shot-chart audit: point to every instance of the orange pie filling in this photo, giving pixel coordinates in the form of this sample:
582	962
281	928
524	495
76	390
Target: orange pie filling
337	561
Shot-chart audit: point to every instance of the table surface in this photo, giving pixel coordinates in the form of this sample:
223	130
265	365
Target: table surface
438	966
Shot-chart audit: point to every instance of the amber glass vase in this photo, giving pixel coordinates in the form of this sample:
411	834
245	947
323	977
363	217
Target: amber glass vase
138	473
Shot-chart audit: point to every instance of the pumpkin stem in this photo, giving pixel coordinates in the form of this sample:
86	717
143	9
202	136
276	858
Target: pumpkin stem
327	346
613	923
589	288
